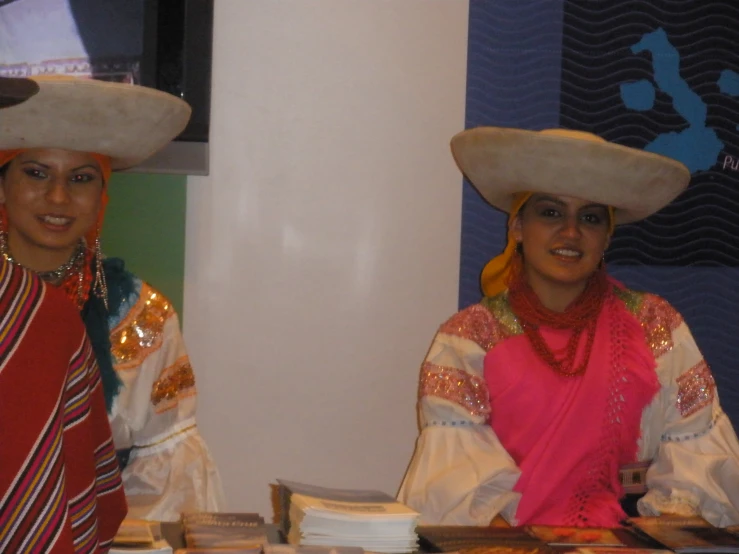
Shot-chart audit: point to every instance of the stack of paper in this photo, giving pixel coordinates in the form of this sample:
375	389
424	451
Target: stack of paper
372	520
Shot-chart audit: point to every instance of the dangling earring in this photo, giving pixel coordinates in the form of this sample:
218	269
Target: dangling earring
100	288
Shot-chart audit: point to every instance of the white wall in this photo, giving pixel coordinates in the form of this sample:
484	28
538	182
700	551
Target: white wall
323	249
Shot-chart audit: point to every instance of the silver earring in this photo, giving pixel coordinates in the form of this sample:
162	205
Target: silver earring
100	288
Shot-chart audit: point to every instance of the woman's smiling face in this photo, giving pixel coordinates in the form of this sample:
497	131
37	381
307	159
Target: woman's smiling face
563	239
52	198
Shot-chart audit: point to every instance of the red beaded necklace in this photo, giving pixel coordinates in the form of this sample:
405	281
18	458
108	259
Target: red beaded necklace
581	317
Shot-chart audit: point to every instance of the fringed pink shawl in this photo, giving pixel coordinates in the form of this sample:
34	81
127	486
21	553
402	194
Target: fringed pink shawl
570	435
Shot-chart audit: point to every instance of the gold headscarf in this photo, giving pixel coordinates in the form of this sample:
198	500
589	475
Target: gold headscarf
495	272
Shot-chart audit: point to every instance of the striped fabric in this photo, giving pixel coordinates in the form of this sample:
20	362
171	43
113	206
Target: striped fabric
60	488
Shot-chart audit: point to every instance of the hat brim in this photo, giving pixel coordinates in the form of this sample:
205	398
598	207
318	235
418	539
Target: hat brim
14	91
128	123
500	162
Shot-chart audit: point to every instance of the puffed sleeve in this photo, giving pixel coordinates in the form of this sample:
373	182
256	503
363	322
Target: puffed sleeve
170	469
695	452
460	474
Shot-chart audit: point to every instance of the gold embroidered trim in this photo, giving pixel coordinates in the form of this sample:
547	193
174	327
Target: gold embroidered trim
456	386
141	330
175	380
630	298
508	325
657	317
696	389
485	324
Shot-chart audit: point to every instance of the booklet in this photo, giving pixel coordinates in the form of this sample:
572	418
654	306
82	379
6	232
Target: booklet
619	550
245	531
137	533
575	536
157	547
479	540
219	550
686	535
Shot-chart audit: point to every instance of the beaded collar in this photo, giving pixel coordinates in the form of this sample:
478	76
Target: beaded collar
53	276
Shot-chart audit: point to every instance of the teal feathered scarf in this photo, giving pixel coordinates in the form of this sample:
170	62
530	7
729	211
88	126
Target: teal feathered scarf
120	286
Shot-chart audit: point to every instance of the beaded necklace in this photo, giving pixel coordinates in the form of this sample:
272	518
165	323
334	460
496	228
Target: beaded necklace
73	276
580	317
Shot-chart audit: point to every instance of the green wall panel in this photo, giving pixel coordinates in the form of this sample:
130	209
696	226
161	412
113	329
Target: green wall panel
145	225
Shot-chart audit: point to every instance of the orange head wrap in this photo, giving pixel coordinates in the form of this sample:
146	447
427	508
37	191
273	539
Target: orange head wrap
495	272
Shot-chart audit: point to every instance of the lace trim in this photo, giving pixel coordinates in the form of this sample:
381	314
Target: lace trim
598	476
456	386
656	503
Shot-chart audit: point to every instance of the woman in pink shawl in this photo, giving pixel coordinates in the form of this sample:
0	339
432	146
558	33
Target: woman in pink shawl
562	390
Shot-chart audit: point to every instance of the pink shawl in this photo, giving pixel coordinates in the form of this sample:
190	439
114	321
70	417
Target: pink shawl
570	435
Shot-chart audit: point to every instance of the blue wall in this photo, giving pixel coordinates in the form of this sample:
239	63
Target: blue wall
643	74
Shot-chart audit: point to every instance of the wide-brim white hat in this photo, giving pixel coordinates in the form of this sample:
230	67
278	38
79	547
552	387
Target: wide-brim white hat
501	162
128	123
14	91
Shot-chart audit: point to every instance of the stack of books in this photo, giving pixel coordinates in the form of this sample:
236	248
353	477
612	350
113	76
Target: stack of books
371	520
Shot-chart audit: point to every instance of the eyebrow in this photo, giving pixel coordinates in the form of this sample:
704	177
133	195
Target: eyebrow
558	202
45	166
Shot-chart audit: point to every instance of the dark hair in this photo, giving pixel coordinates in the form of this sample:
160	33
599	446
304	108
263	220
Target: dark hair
4	169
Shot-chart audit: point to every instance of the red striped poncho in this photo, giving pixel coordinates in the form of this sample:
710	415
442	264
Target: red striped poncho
60	486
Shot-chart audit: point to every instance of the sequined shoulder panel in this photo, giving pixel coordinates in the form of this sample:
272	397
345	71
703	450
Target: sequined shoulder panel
631	298
140	331
503	314
656	316
485	324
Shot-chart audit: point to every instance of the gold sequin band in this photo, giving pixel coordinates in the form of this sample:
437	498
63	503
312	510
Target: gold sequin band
695	389
141	331
656	316
456	386
484	324
174	381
